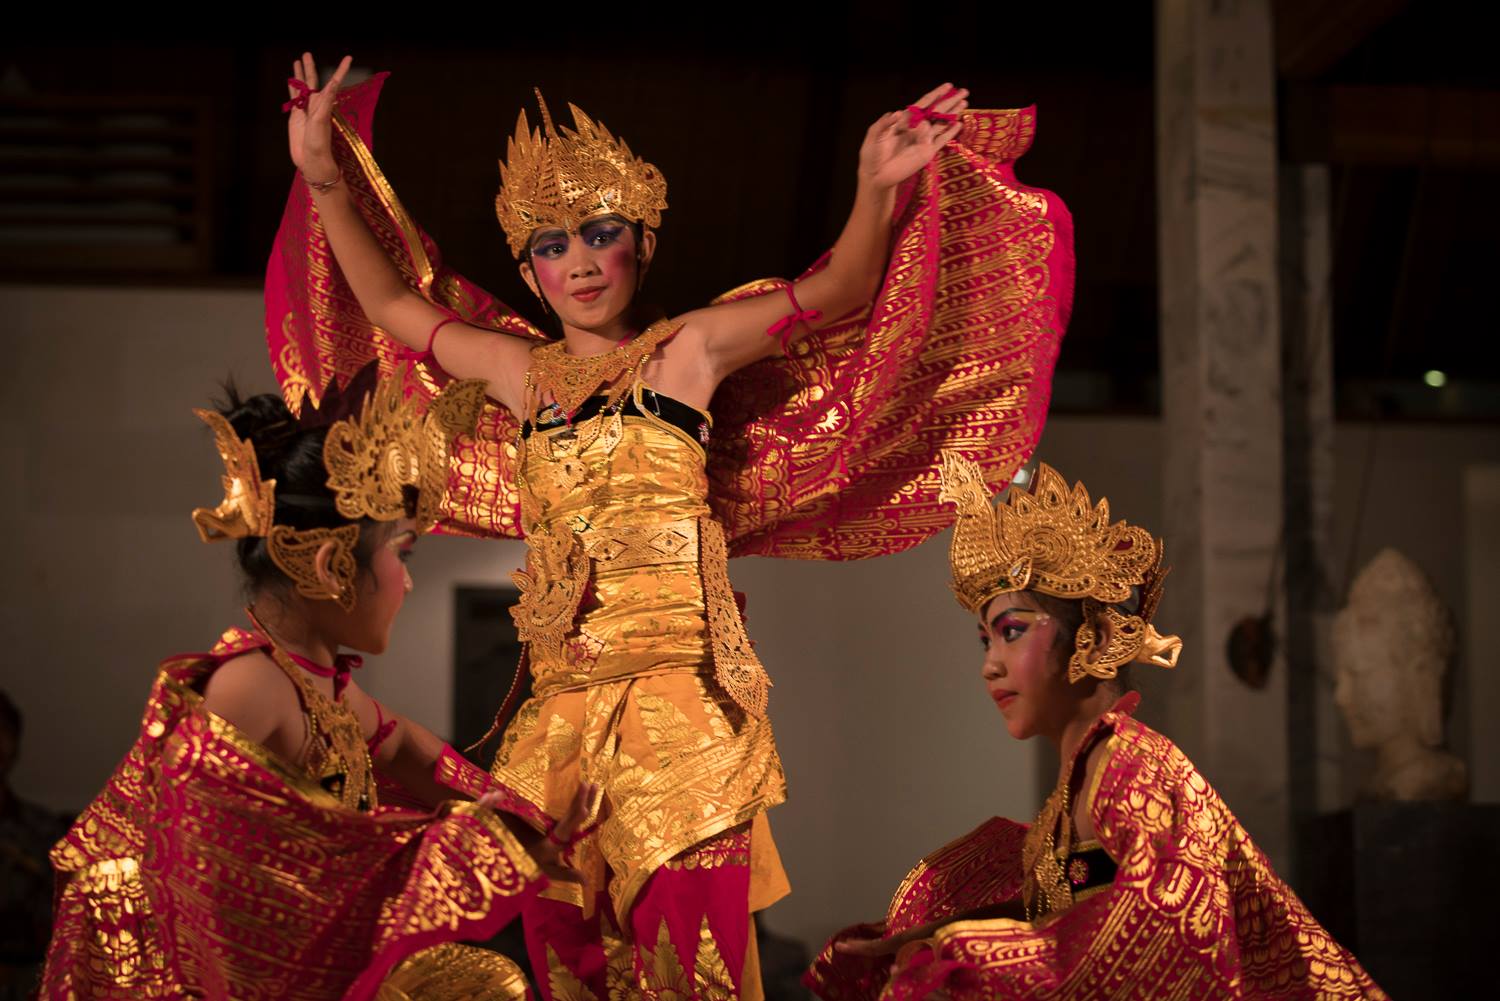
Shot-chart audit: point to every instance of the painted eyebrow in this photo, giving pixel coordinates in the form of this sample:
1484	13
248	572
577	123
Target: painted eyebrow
1004	612
548	234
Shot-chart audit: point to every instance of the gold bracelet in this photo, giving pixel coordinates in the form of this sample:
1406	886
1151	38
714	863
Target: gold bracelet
323	187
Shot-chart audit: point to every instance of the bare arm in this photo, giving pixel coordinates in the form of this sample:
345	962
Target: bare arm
733	335
408	755
465	351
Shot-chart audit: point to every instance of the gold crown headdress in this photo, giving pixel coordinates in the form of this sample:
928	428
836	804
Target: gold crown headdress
371	457
1052	539
560	177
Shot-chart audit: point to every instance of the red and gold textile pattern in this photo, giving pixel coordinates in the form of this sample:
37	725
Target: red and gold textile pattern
831	453
834	451
209	867
316	330
1195	910
690	934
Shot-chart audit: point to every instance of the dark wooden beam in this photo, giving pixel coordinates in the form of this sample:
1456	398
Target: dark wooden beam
1313	35
1391	126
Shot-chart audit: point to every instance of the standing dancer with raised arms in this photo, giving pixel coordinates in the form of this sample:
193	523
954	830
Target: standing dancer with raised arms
790	418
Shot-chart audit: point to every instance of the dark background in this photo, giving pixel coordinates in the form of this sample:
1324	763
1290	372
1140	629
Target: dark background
755	115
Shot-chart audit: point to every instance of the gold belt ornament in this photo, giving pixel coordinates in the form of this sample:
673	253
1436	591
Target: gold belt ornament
646	546
560	563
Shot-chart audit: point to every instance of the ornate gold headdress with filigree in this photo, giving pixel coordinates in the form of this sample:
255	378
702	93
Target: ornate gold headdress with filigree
1052	539
372	456
560	177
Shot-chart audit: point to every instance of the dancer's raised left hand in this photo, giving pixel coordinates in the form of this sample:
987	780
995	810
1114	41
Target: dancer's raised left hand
902	142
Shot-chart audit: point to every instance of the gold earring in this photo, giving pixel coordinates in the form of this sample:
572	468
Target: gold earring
1126	634
295	552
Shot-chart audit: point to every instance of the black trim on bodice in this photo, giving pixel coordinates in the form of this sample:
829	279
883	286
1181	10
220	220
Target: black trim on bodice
688	419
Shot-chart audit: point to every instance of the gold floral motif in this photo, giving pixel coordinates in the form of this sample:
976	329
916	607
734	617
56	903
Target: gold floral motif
711	977
295	552
663	977
568	380
552	587
562	983
728	849
391	445
560	177
736	667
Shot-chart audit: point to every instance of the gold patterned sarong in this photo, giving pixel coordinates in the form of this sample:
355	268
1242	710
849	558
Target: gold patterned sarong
643	680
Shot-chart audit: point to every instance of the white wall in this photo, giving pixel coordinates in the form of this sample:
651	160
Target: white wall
890	746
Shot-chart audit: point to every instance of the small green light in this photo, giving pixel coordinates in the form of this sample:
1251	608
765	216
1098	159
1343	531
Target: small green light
1435	379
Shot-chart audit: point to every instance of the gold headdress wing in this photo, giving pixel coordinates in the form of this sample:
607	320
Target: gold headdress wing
560	177
1053	539
374	456
249	502
371	457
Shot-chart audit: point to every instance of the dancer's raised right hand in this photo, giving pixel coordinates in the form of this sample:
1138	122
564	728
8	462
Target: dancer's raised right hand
310	125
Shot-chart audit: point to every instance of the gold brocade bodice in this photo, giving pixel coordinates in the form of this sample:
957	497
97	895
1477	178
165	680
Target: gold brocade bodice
612	507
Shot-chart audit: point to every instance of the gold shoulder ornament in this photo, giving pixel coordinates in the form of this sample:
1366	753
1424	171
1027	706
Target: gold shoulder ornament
1053	539
559	177
372	456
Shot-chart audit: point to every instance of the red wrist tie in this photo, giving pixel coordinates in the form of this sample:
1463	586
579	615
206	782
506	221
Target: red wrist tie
303	93
783	327
412	354
916	115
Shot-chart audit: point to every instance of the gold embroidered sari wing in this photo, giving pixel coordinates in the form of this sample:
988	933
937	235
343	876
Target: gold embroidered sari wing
833	452
316	331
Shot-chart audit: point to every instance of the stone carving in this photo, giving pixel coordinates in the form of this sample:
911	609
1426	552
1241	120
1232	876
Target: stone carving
1391	647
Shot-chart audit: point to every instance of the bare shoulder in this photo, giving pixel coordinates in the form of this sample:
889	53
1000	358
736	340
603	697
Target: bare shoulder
252	693
682	367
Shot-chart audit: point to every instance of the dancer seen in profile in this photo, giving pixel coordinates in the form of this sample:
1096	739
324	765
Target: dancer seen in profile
241	849
1135	881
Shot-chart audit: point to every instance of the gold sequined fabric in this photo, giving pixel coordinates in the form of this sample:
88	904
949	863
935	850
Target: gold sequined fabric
1195	909
210	867
624	653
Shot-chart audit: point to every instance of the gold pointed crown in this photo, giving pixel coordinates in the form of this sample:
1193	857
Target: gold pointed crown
372	455
1051	538
560	177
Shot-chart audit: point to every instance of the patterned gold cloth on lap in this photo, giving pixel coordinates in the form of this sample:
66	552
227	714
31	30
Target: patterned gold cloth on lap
1195	909
830	453
210	867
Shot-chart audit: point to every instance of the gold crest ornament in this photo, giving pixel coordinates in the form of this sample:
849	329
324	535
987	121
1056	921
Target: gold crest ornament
560	177
1054	540
371	456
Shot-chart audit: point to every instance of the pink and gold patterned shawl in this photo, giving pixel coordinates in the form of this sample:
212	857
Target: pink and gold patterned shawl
1195	910
830	453
208	868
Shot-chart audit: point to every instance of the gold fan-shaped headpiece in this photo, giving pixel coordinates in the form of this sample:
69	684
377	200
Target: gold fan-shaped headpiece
372	456
1053	539
560	177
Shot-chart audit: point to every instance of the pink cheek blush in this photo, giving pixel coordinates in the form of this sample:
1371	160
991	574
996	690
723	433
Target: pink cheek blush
551	277
619	263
